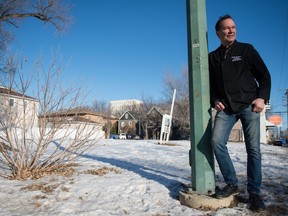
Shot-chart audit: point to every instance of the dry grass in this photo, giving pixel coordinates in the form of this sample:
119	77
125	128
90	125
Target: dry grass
167	144
49	189
64	189
42	186
170	144
66	170
37	204
102	171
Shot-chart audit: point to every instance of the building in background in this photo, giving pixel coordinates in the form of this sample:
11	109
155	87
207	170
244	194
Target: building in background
127	124
118	107
17	109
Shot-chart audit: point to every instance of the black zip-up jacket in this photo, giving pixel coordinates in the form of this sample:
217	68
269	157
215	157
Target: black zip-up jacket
238	76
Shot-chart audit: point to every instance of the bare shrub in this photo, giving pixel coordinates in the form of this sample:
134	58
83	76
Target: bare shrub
37	135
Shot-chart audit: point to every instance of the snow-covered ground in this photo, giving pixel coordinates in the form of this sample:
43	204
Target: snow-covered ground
127	177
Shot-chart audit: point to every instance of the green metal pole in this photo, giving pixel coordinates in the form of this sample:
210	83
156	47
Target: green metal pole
201	154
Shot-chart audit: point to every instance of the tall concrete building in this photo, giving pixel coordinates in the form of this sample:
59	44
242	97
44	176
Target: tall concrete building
120	106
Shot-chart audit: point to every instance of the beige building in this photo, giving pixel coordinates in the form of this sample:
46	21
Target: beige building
17	110
79	120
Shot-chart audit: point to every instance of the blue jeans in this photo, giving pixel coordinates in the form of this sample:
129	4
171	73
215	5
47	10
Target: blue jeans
224	122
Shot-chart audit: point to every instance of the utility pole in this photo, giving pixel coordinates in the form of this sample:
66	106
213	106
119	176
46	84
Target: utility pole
201	153
286	113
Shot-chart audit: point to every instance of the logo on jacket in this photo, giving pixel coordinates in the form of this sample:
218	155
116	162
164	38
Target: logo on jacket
236	58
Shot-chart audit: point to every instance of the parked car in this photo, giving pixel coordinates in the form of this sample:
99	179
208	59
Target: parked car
122	136
130	136
113	136
278	142
137	137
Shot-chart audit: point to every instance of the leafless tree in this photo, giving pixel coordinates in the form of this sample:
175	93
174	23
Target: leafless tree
36	136
140	113
148	103
101	107
181	116
55	12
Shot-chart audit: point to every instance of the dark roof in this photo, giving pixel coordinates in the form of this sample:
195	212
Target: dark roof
159	110
72	119
130	114
7	91
73	112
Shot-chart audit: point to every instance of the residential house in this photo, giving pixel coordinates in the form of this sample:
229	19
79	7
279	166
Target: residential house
75	119
17	109
154	121
127	123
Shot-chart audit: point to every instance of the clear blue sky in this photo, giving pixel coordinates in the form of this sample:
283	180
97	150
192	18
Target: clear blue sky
122	49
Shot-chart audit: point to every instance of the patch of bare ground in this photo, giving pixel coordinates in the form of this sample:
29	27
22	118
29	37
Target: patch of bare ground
45	188
41	186
48	189
168	144
102	171
65	170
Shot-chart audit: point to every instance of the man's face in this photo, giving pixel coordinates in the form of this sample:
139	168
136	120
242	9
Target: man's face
227	32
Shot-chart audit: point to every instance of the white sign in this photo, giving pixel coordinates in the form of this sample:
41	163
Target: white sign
165	127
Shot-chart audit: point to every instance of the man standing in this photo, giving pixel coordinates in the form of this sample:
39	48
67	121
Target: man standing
240	84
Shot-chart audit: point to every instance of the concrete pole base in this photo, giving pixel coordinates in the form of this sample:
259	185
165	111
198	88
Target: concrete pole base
195	200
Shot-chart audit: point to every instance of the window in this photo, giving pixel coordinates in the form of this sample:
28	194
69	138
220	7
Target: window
11	102
126	116
25	105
